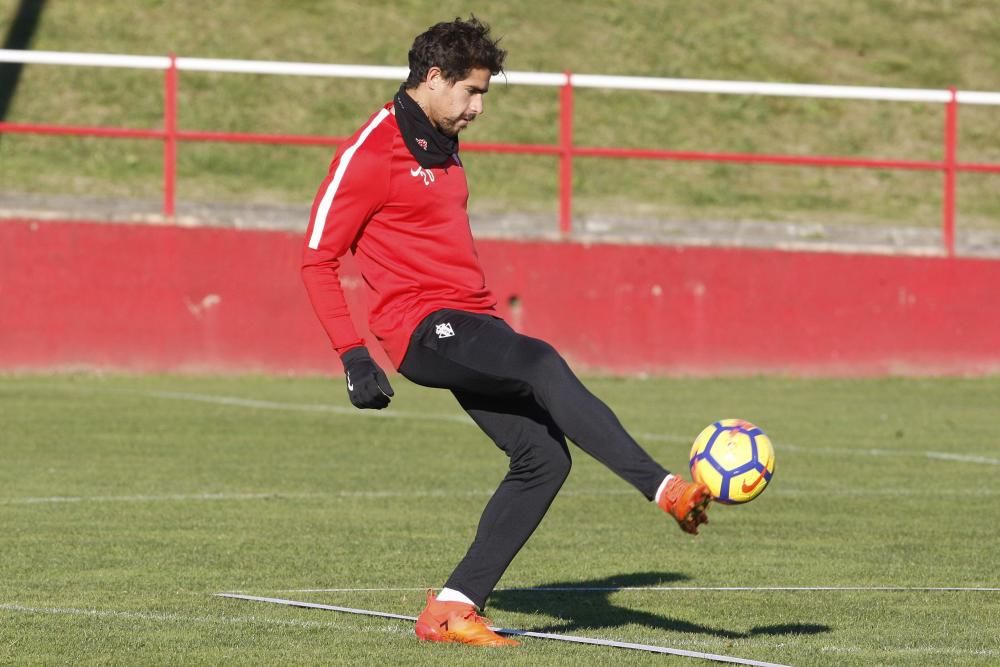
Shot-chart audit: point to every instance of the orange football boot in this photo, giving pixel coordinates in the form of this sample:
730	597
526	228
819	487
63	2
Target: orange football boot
456	622
686	502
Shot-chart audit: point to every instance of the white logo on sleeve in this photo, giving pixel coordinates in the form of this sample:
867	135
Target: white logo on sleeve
444	330
427	174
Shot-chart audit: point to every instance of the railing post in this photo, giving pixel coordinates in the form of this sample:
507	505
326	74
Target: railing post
170	137
950	158
566	156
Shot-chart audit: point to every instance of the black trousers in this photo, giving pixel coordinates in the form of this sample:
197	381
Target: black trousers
525	397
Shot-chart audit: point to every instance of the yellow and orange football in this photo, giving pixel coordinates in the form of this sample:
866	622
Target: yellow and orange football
734	458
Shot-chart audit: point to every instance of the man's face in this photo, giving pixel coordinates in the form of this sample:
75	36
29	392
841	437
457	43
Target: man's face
453	105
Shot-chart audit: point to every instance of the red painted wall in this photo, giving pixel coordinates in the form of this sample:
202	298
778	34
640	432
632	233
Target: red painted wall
167	298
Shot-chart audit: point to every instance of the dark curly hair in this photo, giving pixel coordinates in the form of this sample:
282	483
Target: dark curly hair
457	47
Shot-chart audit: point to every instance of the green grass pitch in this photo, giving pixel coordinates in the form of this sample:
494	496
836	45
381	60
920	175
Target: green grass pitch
127	501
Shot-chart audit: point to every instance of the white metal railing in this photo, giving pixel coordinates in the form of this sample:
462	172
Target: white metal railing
566	150
555	79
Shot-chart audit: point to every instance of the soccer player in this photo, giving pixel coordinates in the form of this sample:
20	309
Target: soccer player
395	196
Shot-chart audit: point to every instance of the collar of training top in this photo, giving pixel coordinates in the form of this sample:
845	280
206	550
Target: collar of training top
429	146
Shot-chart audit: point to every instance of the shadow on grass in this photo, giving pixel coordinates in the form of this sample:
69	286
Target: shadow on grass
585	605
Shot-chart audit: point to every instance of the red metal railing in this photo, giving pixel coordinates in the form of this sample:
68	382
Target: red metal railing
950	153
565	150
170	140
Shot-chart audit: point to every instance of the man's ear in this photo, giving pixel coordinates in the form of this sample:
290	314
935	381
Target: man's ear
434	77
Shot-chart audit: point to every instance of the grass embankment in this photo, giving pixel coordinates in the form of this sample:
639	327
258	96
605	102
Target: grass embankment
921	43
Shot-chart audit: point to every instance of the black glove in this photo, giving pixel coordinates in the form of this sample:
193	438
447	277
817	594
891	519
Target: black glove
367	385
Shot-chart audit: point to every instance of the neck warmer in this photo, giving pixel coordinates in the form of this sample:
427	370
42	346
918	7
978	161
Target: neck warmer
429	145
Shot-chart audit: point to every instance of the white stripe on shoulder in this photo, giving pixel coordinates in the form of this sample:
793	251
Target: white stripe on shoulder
331	190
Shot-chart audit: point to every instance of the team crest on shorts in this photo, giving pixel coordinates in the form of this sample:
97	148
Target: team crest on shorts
444	330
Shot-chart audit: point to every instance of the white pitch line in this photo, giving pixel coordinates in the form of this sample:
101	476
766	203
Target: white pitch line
161	617
885	493
372	494
939	456
913	650
308	407
463	419
376	494
519	633
722	589
177	497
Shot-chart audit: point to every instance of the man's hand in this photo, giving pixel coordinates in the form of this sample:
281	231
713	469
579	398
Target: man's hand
367	385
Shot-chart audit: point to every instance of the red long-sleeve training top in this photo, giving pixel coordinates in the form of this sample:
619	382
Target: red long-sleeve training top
408	228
